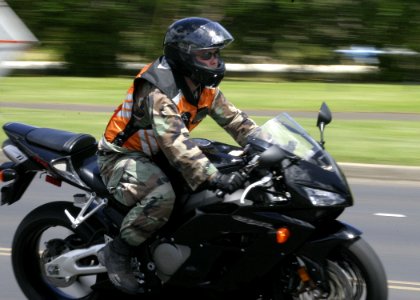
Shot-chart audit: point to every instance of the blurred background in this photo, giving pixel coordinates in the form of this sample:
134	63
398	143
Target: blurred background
360	56
99	38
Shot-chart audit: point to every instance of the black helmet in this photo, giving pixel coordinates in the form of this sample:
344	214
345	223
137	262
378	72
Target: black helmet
191	34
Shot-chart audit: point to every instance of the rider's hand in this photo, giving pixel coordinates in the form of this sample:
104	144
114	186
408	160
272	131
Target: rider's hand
227	182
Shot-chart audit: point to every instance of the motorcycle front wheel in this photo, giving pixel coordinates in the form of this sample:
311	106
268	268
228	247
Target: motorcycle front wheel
44	234
353	272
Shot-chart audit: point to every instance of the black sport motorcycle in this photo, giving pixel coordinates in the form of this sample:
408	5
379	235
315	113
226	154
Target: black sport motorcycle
278	238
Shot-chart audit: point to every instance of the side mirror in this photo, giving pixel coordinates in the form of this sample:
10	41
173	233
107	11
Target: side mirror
272	156
324	115
324	118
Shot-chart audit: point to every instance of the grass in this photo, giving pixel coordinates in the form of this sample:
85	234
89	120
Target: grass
340	97
367	141
248	95
364	141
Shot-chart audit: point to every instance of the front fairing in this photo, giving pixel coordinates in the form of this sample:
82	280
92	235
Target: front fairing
305	177
314	170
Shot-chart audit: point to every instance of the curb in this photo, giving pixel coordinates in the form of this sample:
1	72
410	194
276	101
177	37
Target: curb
364	171
381	172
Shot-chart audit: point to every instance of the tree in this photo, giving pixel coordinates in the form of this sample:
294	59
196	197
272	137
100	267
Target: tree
94	36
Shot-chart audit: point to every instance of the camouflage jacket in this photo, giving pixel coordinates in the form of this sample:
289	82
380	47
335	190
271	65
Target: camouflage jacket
162	119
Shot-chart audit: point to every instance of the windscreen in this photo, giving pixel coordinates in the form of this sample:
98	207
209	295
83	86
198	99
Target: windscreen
290	136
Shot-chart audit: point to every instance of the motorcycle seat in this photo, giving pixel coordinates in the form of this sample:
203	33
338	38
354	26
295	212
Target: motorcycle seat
60	140
65	142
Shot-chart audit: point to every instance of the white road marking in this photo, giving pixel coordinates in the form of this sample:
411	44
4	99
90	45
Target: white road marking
5	251
390	215
404	285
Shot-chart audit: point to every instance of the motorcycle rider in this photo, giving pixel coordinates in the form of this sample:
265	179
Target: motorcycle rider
167	99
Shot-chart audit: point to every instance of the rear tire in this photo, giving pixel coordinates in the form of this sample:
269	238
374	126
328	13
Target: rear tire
48	223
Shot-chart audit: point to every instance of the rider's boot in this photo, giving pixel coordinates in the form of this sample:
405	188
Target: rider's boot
116	257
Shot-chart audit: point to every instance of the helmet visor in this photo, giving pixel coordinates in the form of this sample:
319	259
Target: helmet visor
207	36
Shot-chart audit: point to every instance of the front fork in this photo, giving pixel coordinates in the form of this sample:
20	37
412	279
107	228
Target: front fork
308	276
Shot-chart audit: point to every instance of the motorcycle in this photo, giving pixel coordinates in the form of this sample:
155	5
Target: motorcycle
278	238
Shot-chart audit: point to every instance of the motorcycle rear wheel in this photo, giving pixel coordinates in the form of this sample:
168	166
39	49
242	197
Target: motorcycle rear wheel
46	233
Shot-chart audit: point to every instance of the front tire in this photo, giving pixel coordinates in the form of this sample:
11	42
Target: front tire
360	255
355	272
352	271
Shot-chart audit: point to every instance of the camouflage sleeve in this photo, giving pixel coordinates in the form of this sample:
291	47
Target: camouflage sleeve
174	140
233	120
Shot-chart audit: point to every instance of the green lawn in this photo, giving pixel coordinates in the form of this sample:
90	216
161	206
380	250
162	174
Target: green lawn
369	141
248	95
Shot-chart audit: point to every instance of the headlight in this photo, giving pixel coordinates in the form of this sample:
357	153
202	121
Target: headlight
323	198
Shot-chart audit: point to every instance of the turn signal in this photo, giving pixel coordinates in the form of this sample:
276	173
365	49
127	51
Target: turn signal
282	235
7	175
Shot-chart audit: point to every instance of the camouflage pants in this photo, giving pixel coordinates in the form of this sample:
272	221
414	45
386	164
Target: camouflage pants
135	181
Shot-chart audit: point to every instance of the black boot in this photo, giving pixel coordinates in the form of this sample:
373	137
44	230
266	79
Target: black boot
116	257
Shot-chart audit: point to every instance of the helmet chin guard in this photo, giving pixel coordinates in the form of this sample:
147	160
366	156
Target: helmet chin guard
191	34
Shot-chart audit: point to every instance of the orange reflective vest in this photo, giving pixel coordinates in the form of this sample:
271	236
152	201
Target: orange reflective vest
160	75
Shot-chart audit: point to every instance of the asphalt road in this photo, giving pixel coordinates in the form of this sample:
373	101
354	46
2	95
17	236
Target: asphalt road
388	214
